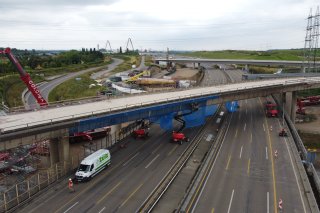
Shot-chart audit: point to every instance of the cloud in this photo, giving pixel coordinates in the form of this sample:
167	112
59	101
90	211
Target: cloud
178	24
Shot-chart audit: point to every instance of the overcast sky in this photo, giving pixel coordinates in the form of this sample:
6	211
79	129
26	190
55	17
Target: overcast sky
177	24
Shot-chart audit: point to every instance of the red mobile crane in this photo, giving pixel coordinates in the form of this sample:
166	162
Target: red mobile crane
25	77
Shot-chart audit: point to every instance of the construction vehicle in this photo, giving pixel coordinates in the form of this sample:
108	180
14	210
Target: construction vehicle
306	101
137	76
25	77
89	135
178	136
141	133
271	109
283	133
301	109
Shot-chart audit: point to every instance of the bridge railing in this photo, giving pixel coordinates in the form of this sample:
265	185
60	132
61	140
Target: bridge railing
315	180
216	91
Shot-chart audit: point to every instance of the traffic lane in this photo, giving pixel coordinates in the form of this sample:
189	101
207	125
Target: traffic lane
239	186
150	172
146	172
260	192
235	184
120	157
61	198
131	175
288	188
213	77
218	188
237	74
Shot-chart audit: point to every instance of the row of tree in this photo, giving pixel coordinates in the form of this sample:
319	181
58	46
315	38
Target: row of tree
36	60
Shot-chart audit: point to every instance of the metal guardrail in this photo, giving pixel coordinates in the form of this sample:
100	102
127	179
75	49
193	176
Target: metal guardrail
166	181
303	153
159	101
192	192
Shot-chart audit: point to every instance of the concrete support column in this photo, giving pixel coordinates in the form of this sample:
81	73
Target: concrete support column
293	106
54	152
198	65
194	65
64	149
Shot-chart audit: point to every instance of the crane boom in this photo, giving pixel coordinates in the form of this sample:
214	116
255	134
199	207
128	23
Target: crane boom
25	77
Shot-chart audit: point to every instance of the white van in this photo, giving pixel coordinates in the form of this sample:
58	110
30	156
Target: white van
93	164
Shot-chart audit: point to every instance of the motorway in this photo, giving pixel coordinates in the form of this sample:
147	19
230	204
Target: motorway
133	174
246	176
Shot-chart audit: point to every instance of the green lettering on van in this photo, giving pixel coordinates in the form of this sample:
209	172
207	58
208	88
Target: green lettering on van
103	157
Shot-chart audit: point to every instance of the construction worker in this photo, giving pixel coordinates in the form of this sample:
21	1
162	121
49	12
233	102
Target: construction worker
70	185
276	153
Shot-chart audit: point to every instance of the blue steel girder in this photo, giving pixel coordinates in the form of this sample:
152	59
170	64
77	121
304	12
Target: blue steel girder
139	113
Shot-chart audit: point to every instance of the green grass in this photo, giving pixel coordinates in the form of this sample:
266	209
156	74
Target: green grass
148	60
292	54
74	89
310	140
70	68
11	86
127	64
310	92
70	89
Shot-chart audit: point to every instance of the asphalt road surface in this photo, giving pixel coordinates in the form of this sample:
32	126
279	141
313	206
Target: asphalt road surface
247	177
134	173
47	87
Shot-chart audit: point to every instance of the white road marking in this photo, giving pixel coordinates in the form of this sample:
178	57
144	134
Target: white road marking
264	129
266	153
152	161
268	208
71	207
214	162
230	201
295	173
244	128
131	159
241	151
102	209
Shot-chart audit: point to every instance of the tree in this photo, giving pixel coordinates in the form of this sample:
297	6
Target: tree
120	50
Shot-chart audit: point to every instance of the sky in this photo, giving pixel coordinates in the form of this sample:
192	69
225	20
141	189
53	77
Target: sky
155	25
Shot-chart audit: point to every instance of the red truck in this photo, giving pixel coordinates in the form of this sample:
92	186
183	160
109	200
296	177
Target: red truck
271	109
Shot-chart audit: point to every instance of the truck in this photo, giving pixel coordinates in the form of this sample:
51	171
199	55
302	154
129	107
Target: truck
271	109
93	164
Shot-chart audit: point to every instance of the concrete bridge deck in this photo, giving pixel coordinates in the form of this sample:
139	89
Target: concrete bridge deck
236	91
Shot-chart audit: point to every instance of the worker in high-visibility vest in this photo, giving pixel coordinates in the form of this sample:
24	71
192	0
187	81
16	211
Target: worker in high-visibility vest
70	185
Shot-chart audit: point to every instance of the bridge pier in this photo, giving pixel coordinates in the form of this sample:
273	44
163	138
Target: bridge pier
194	65
60	148
293	106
